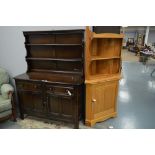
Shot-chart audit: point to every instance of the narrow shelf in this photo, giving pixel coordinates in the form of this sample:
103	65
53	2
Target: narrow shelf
103	58
107	35
55	59
53	44
57	71
100	78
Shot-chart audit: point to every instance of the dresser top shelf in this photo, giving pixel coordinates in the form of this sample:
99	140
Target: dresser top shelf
75	31
53	44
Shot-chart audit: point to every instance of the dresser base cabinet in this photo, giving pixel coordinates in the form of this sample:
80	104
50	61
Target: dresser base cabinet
50	101
101	98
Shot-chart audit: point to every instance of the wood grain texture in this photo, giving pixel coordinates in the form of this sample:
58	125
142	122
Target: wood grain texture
101	101
102	69
103	54
52	88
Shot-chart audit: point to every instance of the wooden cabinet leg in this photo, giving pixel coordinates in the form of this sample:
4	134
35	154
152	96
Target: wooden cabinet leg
76	125
14	116
21	115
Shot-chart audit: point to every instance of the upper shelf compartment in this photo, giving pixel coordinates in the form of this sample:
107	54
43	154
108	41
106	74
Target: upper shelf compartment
107	35
106	47
55	38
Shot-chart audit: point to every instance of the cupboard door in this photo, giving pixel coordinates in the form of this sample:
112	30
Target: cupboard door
67	107
30	101
53	105
60	106
104	99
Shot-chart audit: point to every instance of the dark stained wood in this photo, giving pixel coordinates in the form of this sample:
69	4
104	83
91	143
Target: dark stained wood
53	86
14	112
106	29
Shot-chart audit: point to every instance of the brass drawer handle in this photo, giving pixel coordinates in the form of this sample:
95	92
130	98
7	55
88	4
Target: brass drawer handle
44	80
69	93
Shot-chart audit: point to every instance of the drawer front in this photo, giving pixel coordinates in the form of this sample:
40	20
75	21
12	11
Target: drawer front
60	90
29	86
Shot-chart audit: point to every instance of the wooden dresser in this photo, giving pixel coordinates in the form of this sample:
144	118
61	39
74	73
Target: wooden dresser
102	74
53	86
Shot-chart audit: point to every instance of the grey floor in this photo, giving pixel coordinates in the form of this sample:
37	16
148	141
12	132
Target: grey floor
136	100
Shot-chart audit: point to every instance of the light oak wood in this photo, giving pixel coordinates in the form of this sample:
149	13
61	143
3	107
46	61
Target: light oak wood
101	79
103	58
103	54
101	101
102	74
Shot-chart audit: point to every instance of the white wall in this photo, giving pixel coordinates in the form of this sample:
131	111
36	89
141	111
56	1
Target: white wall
12	49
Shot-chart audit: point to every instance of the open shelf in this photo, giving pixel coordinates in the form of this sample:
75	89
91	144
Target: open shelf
63	52
54	44
106	67
56	71
106	47
103	58
107	35
54	59
59	66
103	55
57	38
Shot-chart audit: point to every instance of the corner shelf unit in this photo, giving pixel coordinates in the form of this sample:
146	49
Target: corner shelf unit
102	73
103	54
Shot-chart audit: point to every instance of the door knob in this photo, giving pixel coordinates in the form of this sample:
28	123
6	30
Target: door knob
93	100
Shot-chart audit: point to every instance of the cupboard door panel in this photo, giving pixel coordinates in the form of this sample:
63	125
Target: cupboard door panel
53	103
67	106
60	107
31	101
98	100
110	95
104	99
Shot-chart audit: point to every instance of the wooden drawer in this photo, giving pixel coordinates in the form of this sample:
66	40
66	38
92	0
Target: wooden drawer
59	90
28	86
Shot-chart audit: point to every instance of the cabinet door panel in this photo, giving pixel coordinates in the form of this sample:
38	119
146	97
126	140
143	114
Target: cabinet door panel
67	107
110	95
104	97
31	101
99	99
53	105
60	106
38	104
